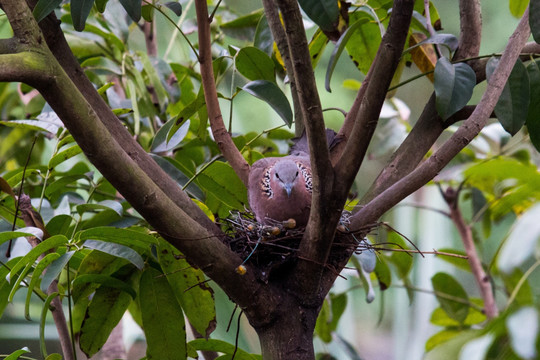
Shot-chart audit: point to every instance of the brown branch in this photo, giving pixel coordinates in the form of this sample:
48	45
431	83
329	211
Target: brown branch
278	33
324	215
221	135
32	218
379	77
429	126
451	197
461	138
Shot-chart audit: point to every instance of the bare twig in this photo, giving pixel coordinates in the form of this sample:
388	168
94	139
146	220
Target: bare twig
482	279
221	135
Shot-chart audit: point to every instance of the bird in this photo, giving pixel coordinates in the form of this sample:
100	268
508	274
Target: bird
280	188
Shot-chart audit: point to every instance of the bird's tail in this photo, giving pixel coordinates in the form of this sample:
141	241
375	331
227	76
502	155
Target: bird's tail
301	147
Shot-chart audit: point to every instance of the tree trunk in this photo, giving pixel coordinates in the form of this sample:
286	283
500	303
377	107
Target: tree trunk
289	336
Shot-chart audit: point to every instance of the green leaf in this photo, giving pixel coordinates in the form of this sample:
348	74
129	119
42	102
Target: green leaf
147	13
64	155
170	166
55	269
102	205
316	47
460	263
36	280
125	237
439	317
27	231
254	64
151	67
95	262
106	309
524	295
44	8
364	42
54	356
403	261
523	331
338	49
17	354
5	285
43	318
133	8
448	40
477	348
80	9
533	115
454	84
105	280
513	104
450	349
534	19
222	347
322	326
41	248
39	125
273	96
162	317
117	250
176	7
220	180
444	284
324	13
383	273
517	7
101	4
165	140
263	37
243	27
189	286
522	242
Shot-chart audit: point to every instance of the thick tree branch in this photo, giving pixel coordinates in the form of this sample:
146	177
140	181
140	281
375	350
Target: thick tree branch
221	135
56	41
461	138
278	33
324	215
429	126
451	197
380	76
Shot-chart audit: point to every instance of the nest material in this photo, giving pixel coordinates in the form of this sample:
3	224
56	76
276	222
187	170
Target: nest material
272	247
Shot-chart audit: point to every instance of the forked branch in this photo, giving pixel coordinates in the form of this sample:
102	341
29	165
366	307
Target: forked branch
461	138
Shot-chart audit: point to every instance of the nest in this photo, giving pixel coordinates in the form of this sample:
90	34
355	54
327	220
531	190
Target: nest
272	247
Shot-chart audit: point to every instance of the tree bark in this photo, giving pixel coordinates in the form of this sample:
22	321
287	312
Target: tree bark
290	336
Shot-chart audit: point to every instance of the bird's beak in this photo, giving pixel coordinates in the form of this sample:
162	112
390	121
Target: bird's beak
288	189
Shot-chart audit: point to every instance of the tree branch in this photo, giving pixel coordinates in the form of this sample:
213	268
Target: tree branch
451	197
379	77
221	135
461	138
429	126
278	33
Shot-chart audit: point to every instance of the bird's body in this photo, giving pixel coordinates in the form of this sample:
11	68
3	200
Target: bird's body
280	189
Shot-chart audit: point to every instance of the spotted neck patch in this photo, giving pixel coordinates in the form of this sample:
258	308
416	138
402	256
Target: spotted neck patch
306	174
265	184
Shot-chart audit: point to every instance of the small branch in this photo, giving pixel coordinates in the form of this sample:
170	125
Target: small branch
32	218
367	106
278	33
461	138
149	30
221	135
482	279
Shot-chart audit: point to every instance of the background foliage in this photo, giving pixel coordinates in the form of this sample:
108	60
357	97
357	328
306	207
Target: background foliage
104	255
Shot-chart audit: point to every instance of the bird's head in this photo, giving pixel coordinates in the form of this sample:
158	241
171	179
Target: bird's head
285	175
